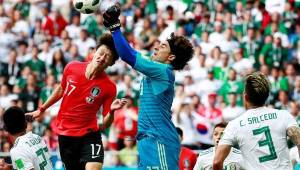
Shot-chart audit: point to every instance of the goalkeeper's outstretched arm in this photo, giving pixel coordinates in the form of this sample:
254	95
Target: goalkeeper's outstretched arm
127	53
142	64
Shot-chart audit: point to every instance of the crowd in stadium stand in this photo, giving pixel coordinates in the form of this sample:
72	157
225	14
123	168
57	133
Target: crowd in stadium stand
231	38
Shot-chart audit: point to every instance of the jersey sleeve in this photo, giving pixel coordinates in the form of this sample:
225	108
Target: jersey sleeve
229	137
108	100
153	69
21	159
136	60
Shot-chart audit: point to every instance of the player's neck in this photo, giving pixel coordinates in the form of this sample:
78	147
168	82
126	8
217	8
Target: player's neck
92	72
15	136
250	106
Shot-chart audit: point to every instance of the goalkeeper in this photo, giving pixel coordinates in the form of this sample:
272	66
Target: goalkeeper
158	142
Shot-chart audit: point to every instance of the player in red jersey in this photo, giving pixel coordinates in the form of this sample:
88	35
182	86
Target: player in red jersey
187	157
85	90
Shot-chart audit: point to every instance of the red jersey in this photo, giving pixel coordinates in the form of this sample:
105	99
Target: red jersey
187	159
125	123
82	100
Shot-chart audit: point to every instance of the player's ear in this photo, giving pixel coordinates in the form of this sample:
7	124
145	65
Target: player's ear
112	63
246	97
171	57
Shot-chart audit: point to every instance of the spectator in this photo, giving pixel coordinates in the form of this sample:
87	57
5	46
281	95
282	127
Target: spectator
241	65
205	44
290	74
46	55
125	121
128	155
251	46
37	34
217	36
84	42
232	85
30	94
23	55
277	83
74	54
58	64
283	102
74	28
35	64
185	118
212	113
232	111
296	91
126	88
47	22
207	86
6	96
21	27
23	7
47	90
13	68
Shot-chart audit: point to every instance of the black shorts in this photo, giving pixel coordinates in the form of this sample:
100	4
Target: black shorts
75	152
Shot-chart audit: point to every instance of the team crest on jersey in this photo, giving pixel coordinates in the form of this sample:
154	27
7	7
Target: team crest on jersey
94	93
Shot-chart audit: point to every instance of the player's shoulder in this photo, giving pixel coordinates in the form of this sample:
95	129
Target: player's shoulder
278	112
188	151
109	82
19	147
236	122
75	65
16	144
206	152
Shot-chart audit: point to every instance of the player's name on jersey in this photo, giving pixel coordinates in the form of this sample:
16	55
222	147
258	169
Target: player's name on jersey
33	141
258	119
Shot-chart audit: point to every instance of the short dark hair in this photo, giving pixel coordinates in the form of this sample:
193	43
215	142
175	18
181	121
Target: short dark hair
257	88
183	50
14	120
221	125
107	39
179	131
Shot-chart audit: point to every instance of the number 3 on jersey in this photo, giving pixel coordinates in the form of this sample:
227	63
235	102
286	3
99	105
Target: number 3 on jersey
268	141
41	153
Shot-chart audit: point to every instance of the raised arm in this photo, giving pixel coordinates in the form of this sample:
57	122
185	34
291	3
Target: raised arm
55	96
127	53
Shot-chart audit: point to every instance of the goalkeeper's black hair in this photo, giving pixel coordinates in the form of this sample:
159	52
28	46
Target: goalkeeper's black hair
183	50
14	120
107	39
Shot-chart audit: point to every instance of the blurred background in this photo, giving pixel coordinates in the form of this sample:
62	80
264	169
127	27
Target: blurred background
231	38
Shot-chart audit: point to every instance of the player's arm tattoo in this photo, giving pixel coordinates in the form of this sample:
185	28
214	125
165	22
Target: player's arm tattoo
294	134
